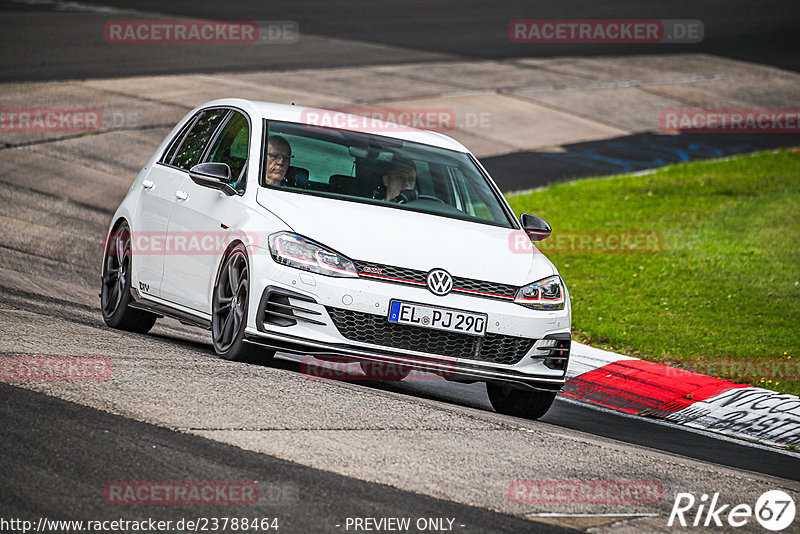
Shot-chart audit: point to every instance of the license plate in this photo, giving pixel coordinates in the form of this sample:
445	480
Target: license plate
437	318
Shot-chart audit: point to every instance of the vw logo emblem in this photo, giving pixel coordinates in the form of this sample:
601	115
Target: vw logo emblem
439	282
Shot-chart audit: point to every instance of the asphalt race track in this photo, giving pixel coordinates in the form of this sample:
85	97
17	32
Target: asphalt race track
320	451
633	153
41	431
51	40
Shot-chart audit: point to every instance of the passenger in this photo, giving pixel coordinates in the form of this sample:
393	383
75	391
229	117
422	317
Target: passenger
279	155
401	176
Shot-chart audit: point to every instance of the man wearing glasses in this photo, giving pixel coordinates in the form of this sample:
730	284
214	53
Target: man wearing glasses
279	155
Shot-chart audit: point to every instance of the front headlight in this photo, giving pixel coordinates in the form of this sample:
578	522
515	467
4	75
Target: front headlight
546	294
301	253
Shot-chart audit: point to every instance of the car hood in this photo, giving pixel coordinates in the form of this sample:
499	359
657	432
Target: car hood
409	239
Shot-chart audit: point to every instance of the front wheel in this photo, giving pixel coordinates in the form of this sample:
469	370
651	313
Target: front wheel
518	402
229	311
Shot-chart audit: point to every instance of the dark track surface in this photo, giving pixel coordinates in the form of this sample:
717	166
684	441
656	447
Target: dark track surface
524	170
56	458
635	430
41	43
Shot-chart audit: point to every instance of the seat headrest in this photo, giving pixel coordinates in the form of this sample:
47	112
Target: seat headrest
296	177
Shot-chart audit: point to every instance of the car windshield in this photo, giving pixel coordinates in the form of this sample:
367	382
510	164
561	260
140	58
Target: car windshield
379	170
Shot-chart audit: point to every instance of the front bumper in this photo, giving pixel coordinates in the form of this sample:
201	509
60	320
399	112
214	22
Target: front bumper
456	371
298	312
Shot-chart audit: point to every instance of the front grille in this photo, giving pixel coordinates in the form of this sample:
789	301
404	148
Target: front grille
376	330
403	275
390	273
488	289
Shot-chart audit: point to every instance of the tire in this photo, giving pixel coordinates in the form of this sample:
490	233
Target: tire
518	402
229	307
115	290
384	371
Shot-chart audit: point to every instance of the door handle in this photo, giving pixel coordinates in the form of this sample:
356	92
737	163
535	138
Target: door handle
148	184
181	195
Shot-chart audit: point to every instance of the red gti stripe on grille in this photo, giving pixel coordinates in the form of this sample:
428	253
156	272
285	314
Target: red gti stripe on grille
390	278
406	281
482	293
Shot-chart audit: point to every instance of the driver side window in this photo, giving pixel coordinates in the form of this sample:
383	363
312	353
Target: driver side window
231	147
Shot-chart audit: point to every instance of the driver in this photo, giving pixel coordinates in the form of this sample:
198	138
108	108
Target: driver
400	177
279	155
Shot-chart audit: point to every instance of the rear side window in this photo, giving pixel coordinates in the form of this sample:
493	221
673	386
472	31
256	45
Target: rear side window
188	155
231	145
175	144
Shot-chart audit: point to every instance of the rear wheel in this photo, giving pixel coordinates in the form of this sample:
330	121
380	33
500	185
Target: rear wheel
115	292
518	402
229	311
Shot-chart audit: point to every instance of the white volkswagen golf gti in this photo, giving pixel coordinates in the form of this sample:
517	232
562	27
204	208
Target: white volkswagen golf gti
369	242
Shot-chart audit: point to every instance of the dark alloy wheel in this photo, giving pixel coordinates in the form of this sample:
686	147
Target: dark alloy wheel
229	310
115	293
518	402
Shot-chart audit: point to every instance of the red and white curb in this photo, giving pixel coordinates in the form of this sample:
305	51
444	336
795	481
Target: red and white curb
648	389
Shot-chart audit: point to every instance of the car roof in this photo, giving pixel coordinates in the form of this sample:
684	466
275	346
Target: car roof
334	118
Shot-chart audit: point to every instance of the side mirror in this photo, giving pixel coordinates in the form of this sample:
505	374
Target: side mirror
536	227
214	176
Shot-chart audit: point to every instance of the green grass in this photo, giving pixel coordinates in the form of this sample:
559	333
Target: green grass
723	295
